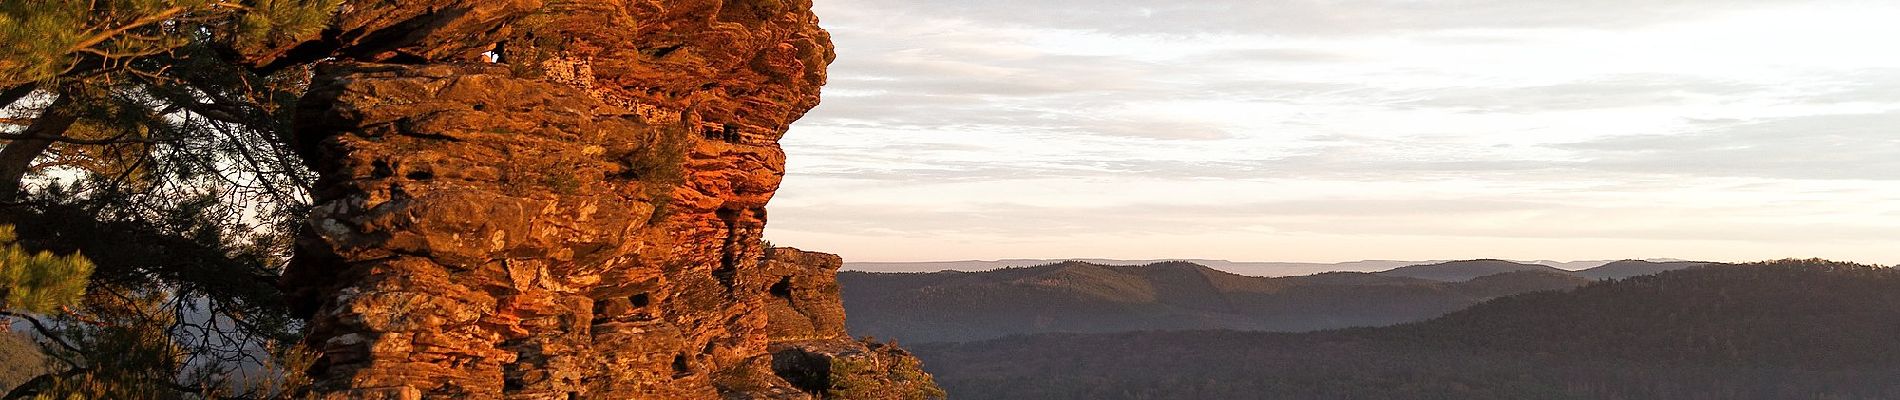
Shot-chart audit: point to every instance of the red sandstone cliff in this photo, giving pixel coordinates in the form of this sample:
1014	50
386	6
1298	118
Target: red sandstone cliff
809	346
563	199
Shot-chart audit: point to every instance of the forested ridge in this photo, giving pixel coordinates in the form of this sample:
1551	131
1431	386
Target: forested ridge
1084	297
1772	330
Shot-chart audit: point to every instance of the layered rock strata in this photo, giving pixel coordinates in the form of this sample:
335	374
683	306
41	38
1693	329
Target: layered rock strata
532	199
809	346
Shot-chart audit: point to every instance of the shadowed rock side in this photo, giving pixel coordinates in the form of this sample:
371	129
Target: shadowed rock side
549	199
810	347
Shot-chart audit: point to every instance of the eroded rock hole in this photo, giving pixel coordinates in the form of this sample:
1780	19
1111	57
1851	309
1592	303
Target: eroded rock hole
640	300
380	169
783	289
602	311
680	368
497	54
420	175
729	133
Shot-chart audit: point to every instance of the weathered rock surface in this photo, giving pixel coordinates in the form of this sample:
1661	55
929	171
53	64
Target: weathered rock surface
555	199
846	368
810	348
805	302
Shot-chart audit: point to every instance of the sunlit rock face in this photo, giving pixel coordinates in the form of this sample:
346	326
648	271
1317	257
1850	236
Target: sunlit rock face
553	199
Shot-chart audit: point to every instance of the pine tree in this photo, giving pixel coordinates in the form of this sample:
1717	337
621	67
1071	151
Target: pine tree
134	134
39	282
51	39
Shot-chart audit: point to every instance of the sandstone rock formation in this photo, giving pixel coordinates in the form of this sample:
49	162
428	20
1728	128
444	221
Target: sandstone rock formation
805	302
810	348
532	199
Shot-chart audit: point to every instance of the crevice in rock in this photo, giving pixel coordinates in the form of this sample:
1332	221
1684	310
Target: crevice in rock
404	58
728	271
379	41
660	52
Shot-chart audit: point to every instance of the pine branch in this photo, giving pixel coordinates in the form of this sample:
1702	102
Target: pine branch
122	137
95	40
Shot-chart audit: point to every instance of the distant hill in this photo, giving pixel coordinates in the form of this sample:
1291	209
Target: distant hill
1086	297
1236	267
1249	268
1460	271
1516	282
1791	329
1631	268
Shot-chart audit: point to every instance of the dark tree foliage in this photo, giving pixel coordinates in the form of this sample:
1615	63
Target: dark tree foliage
132	137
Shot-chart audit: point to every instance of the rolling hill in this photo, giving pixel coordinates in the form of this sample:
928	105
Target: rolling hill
1805	329
1631	268
1460	271
1085	297
1249	268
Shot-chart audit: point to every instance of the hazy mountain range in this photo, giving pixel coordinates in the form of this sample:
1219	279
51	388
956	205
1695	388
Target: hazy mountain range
1079	296
1250	268
1795	329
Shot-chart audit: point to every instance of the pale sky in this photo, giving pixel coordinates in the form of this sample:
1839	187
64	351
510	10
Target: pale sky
1337	130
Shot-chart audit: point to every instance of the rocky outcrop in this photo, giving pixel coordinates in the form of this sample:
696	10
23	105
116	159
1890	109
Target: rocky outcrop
846	368
805	302
809	346
533	199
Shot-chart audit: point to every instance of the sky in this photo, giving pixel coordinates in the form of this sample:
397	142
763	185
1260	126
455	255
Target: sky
1338	130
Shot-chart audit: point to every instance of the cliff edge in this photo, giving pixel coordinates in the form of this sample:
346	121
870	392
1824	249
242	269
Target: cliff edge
532	199
809	346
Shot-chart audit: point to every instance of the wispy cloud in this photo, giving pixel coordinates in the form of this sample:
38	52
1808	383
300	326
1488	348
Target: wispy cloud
1335	130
